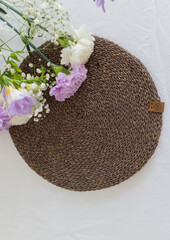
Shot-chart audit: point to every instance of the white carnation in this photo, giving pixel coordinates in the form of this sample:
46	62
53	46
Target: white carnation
80	52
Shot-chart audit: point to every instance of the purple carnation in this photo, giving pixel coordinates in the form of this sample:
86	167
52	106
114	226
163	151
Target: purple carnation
101	3
67	85
4	118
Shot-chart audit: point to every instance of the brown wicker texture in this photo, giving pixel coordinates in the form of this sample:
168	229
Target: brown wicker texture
102	135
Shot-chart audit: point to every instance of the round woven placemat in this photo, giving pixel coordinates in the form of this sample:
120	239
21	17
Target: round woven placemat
102	135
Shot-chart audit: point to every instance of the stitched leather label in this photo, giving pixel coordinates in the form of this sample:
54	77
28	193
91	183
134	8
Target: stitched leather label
157	107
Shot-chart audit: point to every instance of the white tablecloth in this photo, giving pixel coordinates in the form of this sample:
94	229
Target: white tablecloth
137	209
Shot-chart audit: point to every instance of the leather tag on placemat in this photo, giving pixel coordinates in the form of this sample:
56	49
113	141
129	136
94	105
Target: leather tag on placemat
157	107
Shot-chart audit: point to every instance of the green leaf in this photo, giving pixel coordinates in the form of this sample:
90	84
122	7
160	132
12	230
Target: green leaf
15	57
7	73
24	16
16	85
19	51
1	81
64	41
13	64
6	82
58	69
18	70
16	76
43	70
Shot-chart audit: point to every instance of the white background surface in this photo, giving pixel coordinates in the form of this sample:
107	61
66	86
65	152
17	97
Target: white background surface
137	209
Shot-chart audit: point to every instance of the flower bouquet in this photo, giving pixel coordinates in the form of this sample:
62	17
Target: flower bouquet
22	96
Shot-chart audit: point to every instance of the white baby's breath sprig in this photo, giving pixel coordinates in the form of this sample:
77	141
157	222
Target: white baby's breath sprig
48	19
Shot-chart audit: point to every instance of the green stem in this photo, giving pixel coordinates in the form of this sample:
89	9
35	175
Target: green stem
10	7
21	14
5	43
56	68
34	47
9	49
25	40
9	25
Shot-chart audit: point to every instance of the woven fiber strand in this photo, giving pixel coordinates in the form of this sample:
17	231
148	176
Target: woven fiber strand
102	135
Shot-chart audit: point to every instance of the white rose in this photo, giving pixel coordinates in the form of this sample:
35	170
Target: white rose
80	52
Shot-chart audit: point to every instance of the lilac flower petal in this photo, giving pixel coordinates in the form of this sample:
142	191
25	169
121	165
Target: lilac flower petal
22	105
4	118
4	93
69	84
101	3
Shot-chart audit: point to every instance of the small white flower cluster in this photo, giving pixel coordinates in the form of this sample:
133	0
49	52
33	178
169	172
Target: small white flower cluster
47	15
9	67
37	92
41	106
